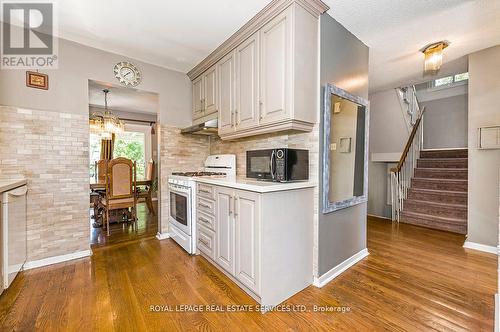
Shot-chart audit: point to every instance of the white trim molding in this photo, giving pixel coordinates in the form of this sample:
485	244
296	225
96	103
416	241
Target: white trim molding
56	259
337	270
162	236
481	247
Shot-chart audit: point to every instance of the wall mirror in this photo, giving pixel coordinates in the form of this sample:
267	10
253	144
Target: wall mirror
345	149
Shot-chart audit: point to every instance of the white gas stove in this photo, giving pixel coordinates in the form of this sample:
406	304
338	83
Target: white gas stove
182	188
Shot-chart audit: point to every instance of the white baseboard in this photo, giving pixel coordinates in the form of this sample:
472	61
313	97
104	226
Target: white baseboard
337	270
162	236
481	247
56	259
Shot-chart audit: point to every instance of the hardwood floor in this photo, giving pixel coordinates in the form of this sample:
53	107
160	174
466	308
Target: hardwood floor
414	279
147	227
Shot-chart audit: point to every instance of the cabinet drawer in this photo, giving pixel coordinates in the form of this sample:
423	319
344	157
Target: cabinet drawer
205	190
206	220
205	205
206	241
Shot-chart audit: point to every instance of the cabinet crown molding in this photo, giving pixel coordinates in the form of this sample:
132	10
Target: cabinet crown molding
315	7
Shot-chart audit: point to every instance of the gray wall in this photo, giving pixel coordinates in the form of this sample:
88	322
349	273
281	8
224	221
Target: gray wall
484	110
344	62
445	122
68	85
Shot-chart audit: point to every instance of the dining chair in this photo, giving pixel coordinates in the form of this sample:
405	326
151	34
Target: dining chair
100	170
147	191
121	189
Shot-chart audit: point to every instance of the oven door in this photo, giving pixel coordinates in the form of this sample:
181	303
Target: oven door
261	164
180	208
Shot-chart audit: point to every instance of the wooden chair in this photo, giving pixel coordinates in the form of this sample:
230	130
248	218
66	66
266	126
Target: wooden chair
121	190
100	170
147	192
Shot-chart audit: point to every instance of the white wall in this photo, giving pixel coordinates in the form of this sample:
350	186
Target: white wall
445	122
68	85
388	134
484	109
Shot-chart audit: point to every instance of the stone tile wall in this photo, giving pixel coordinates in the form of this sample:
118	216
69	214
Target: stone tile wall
50	149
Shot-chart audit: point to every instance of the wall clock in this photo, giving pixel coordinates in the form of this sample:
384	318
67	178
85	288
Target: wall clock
127	73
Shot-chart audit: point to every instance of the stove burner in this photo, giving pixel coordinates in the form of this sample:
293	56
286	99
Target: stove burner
200	173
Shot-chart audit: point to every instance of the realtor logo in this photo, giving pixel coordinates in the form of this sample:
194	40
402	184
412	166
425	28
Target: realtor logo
28	35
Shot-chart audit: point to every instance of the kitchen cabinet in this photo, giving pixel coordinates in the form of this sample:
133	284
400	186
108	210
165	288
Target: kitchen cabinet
247	227
226	68
261	238
275	73
13	233
276	69
225	229
198	98
204	94
247	84
210	91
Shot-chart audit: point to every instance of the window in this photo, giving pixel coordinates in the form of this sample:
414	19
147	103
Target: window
449	81
132	145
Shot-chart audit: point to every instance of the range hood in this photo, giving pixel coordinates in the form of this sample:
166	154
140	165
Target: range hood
208	127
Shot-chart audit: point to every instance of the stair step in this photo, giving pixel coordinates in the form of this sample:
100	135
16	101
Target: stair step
439	184
451	153
442	163
442	173
454	225
439	196
458	211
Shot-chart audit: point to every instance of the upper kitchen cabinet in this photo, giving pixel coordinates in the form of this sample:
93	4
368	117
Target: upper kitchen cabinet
205	94
270	69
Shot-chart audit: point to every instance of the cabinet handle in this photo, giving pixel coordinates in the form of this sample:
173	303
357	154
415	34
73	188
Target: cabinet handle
205	205
204	242
237	123
204	220
231	198
260	109
204	191
236	199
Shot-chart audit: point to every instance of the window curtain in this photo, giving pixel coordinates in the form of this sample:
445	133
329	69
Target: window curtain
107	146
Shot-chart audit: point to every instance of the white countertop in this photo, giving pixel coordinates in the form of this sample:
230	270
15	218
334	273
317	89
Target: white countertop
254	185
6	185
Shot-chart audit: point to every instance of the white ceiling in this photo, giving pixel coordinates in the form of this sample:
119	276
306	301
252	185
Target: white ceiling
178	34
122	99
395	30
173	34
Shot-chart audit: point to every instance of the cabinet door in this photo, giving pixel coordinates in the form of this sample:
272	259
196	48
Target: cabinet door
247	83
197	97
209	99
275	68
247	239
224	253
225	72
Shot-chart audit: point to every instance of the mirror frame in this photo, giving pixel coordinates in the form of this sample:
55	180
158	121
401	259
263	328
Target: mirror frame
338	205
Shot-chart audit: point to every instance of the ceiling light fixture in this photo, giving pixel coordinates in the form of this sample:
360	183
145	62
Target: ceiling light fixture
433	56
105	123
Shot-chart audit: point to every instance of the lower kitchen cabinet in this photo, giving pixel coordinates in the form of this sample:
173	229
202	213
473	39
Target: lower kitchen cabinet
263	241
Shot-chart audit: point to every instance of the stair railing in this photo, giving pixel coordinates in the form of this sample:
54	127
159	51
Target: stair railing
403	172
409	103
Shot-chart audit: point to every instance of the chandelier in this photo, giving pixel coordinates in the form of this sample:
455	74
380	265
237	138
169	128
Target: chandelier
105	123
433	56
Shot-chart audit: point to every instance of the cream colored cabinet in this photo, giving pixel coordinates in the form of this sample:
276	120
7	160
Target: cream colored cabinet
261	239
247	84
275	73
276	68
246	242
226	75
205	93
224	253
197	98
210	91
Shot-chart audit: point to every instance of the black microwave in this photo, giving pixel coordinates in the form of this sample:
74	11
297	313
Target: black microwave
281	165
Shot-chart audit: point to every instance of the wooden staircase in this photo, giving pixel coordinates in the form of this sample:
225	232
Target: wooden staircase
437	197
